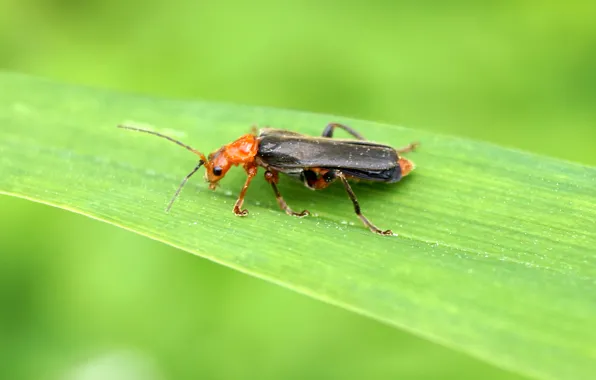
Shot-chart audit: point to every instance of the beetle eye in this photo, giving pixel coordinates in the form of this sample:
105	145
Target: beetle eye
217	171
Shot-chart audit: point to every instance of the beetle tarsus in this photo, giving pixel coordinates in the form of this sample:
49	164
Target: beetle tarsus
239	212
273	178
374	228
386	232
289	211
251	171
284	206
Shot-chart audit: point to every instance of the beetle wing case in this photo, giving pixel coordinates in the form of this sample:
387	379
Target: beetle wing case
291	152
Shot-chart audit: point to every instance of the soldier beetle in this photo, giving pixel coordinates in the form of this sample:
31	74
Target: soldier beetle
316	161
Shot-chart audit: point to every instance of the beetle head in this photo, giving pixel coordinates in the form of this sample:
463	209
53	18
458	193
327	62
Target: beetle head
242	151
216	167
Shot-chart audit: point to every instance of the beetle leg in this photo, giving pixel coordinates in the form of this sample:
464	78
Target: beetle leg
272	178
328	131
251	171
352	196
408	148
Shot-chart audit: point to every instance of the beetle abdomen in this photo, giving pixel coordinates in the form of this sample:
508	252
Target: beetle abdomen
387	175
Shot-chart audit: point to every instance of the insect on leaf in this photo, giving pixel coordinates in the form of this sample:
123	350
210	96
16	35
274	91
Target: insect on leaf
495	258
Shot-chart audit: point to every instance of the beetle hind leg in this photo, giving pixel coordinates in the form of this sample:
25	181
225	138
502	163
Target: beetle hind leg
354	200
408	148
328	131
272	178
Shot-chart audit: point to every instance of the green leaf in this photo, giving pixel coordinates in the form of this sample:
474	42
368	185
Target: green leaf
495	255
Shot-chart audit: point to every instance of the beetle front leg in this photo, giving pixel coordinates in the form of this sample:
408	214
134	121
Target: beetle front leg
272	178
328	131
352	196
251	171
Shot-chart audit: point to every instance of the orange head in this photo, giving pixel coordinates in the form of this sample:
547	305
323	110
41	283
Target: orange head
216	167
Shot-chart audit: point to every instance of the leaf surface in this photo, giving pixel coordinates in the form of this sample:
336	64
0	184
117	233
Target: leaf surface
495	255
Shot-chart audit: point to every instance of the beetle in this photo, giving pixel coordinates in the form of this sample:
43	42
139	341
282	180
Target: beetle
316	161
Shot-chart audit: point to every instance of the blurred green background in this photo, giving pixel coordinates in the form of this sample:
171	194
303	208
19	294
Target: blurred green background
84	300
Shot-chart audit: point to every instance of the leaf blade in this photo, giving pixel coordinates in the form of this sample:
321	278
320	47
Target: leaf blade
495	256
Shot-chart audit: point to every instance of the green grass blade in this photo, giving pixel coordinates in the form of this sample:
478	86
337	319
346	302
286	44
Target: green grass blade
495	256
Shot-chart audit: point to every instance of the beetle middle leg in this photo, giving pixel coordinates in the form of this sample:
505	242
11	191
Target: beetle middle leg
328	131
354	200
272	178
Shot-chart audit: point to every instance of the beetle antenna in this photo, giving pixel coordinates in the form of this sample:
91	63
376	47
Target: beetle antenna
201	162
165	137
